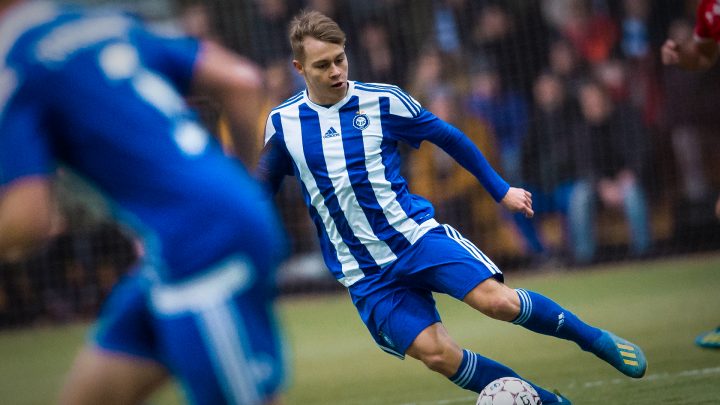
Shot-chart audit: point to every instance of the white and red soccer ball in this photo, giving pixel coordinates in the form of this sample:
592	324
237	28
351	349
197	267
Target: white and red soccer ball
508	391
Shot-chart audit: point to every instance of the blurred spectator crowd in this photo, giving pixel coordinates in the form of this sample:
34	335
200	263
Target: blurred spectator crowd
567	98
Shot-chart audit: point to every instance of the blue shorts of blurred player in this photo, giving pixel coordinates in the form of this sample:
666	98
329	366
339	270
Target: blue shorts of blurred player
220	320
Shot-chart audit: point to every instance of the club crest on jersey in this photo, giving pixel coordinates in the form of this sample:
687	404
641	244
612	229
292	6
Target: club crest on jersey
361	120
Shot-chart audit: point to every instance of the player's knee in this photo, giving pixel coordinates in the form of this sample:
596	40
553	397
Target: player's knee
442	356
439	360
495	300
503	305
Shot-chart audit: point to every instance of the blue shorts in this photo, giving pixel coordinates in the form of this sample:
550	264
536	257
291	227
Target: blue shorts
397	304
215	332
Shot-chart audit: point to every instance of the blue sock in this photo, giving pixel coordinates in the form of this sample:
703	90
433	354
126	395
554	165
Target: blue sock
476	372
542	315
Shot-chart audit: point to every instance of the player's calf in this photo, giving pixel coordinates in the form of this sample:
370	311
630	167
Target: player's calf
542	315
476	372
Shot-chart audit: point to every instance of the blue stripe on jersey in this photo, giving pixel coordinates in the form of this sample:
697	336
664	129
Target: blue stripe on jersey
277	124
412	106
357	170
313	150
414	207
330	255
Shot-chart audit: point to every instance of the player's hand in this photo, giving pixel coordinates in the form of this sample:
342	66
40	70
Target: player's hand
518	200
670	52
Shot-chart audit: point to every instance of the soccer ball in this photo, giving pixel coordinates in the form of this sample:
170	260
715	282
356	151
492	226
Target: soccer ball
508	391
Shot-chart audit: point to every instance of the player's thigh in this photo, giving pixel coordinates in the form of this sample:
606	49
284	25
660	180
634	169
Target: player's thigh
99	377
121	361
444	261
395	315
433	340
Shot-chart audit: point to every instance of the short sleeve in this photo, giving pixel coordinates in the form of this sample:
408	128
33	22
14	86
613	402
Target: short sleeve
402	104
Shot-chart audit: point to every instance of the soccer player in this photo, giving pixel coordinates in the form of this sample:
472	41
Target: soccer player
340	139
98	93
699	53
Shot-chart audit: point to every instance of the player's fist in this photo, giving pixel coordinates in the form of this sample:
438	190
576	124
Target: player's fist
670	53
518	200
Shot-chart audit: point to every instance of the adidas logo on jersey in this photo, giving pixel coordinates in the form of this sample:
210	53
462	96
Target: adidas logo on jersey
331	133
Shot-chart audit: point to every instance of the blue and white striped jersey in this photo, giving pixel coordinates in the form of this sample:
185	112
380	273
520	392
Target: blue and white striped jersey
345	157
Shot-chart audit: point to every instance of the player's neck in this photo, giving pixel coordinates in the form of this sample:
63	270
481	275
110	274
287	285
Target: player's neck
324	102
326	99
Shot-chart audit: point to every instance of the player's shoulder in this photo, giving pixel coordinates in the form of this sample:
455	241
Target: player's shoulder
53	32
388	89
397	96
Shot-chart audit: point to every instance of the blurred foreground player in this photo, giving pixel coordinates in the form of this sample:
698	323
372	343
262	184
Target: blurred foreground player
340	138
97	92
699	53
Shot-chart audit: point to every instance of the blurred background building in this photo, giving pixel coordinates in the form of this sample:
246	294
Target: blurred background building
567	98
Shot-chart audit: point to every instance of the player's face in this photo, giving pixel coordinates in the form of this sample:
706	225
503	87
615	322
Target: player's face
325	70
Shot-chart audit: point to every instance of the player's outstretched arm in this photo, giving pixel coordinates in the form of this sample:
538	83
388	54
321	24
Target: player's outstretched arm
26	213
518	200
236	83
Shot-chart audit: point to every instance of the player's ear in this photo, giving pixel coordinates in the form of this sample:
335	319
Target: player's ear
298	67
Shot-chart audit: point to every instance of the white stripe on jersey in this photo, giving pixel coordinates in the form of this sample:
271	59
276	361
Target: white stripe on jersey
293	141
19	19
334	154
381	186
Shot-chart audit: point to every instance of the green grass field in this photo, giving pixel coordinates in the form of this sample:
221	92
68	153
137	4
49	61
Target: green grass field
661	305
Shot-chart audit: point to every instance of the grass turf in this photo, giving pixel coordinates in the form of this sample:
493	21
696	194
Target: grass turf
661	305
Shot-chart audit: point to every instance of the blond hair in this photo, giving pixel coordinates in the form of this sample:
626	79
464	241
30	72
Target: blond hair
309	23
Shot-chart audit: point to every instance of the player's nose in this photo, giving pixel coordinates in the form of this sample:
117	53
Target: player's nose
335	71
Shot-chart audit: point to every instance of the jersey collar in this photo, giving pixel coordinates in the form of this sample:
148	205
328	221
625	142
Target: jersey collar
335	107
18	18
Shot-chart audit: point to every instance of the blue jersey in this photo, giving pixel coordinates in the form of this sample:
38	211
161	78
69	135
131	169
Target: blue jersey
346	159
100	93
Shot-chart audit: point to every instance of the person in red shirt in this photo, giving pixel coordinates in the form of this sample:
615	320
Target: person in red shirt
699	53
702	51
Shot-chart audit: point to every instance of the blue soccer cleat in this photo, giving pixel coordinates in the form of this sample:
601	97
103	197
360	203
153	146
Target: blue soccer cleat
709	340
625	356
